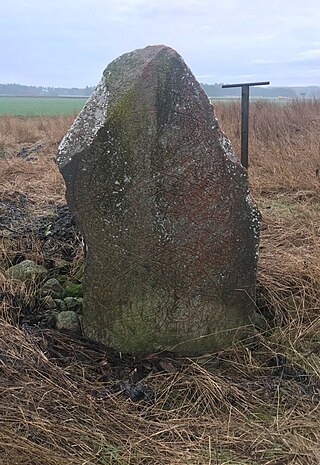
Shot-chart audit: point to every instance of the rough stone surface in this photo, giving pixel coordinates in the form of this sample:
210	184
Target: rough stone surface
170	229
74	303
48	303
26	271
68	321
52	288
60	305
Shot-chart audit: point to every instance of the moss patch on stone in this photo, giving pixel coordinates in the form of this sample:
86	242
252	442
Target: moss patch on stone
74	290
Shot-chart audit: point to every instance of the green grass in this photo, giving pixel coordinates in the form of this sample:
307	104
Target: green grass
54	106
40	106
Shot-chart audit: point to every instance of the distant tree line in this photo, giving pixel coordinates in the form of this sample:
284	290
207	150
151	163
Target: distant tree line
212	90
41	91
215	90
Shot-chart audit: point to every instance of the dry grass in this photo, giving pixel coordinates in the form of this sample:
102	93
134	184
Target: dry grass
40	180
254	404
284	144
284	148
15	130
32	172
202	415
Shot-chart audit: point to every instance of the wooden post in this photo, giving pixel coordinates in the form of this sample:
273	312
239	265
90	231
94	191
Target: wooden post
245	117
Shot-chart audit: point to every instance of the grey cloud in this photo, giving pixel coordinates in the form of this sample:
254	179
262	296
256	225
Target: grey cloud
70	43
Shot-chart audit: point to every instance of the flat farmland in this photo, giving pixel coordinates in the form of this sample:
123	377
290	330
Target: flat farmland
59	106
40	106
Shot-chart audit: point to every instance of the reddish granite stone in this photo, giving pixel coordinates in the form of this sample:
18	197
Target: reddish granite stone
171	231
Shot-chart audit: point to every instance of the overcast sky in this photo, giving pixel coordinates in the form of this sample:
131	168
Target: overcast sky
69	42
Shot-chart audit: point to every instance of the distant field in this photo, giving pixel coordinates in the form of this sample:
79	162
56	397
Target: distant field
55	106
277	100
39	106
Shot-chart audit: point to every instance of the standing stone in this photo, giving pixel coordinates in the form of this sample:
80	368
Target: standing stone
170	229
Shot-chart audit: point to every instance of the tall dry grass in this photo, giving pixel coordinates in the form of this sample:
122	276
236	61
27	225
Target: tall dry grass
284	143
16	130
254	404
284	158
28	162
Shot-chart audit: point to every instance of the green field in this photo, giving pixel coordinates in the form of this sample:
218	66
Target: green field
52	106
40	106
